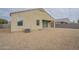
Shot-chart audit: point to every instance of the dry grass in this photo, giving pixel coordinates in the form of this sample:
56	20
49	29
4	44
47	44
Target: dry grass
41	40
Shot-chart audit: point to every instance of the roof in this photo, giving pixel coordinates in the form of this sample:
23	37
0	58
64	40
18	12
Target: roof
63	19
41	9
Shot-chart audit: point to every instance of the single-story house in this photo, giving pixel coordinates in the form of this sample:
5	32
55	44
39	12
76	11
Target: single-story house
62	21
33	19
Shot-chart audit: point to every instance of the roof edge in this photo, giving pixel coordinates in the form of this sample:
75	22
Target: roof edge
41	9
26	10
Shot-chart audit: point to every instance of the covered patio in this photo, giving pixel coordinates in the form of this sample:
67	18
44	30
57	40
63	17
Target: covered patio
48	24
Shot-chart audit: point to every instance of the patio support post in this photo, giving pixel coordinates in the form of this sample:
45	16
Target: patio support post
54	24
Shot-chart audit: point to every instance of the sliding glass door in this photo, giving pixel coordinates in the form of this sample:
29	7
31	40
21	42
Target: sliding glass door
44	23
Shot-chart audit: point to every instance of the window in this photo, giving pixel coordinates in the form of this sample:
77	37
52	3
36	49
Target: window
20	23
37	22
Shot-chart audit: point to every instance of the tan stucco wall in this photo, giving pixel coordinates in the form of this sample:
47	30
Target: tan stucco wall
29	20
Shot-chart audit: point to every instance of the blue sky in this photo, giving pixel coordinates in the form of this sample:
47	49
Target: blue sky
71	13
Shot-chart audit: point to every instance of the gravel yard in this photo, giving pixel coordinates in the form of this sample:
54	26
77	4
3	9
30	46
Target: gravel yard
47	39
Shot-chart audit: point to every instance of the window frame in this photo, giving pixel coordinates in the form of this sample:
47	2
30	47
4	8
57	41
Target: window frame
38	22
20	23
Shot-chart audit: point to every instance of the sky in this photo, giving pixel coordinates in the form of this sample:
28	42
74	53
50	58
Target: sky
71	13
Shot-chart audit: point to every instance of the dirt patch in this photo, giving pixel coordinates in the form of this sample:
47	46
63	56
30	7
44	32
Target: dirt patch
5	30
49	39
